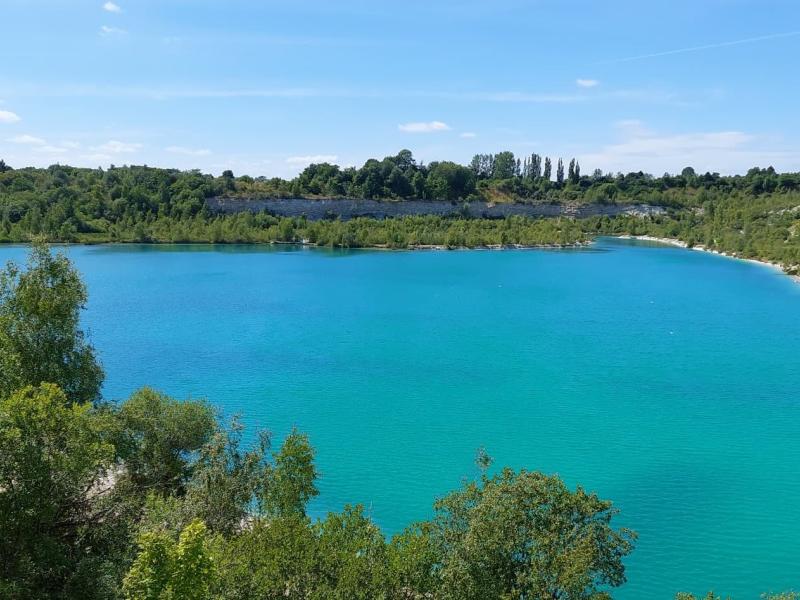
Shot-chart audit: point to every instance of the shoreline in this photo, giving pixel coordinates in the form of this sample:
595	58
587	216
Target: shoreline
428	247
700	248
307	244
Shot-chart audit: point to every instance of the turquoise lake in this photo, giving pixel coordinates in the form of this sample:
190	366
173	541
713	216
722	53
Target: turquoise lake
664	379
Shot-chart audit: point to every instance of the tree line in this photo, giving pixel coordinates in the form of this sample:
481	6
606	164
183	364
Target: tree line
756	215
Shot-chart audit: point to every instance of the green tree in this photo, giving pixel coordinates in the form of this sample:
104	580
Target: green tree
574	171
548	169
352	557
505	166
273	560
560	172
449	181
165	569
414	560
40	335
159	436
292	481
54	459
225	480
525	535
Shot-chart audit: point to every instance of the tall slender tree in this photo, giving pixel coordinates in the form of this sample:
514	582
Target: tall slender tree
536	166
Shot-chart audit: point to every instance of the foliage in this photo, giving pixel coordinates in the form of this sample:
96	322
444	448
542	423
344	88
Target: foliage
40	339
293	479
753	215
271	560
225	481
53	459
168	570
712	596
158	436
525	535
765	228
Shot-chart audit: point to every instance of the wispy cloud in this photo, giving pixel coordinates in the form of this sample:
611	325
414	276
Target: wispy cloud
28	140
311	159
188	151
168	93
50	149
632	128
424	127
40	145
112	8
116	147
641	148
6	116
97	157
587	83
107	31
761	38
468	134
521	97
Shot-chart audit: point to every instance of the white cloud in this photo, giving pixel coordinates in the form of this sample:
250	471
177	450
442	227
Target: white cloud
6	116
468	134
642	149
188	151
587	83
632	128
48	149
111	7
99	157
116	147
27	140
107	31
311	159
42	146
429	127
160	93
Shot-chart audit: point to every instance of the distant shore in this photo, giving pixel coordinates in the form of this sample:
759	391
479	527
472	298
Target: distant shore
700	248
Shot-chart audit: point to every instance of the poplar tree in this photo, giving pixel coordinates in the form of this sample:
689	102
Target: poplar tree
536	166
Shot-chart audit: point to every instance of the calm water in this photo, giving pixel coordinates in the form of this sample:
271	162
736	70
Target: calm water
664	379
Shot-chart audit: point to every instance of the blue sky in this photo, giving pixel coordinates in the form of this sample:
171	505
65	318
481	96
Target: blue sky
264	87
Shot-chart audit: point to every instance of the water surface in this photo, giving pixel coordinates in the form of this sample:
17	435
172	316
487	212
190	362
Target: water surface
663	379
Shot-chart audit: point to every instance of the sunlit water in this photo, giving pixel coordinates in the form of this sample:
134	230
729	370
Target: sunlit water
663	379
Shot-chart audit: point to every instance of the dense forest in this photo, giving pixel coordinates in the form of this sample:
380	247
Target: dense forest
154	498
756	215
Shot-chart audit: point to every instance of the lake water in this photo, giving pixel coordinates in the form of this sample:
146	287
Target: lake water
663	379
